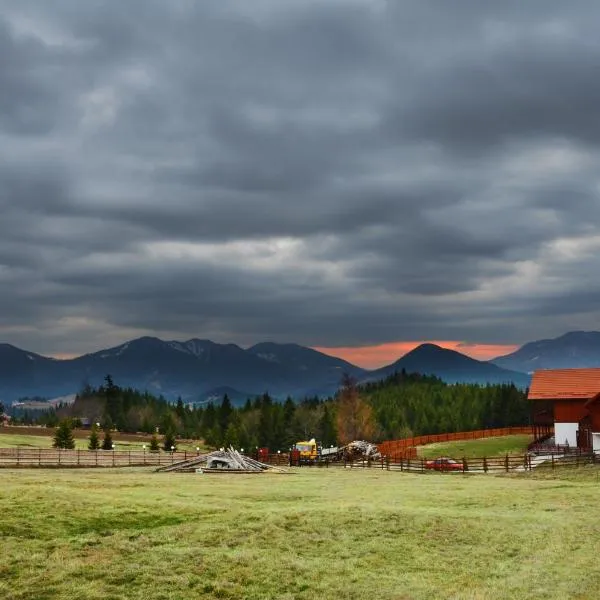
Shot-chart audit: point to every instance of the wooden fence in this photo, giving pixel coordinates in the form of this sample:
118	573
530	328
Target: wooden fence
51	457
401	448
500	464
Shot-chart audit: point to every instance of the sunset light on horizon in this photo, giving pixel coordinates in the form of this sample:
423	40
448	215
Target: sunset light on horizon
373	357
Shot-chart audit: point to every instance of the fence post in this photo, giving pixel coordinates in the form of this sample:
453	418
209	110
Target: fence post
96	457
130	458
59	456
40	457
422	466
553	461
17	456
506	463
465	465
485	465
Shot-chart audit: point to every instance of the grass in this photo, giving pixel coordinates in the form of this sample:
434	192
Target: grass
489	447
317	533
10	440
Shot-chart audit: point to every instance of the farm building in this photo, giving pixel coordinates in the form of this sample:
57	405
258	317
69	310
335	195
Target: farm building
569	399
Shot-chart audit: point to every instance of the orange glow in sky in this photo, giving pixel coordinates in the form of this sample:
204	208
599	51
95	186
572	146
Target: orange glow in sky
373	357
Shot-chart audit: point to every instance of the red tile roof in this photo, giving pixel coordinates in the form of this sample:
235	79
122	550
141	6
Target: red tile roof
565	384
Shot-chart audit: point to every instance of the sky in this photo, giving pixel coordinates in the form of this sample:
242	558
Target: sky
351	175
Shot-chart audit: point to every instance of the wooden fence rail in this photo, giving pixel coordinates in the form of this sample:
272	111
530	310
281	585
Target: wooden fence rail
51	457
498	464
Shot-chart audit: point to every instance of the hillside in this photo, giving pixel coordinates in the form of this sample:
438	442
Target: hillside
412	404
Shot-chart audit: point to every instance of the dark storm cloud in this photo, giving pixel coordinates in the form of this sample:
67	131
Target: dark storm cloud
327	172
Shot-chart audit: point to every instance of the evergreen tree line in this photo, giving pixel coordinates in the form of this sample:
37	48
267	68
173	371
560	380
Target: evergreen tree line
400	406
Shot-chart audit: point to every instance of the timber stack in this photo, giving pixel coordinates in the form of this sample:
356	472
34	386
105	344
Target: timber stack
220	461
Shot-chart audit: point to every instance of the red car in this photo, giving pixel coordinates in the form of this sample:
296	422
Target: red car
444	464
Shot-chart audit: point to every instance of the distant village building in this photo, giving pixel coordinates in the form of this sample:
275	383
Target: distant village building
568	399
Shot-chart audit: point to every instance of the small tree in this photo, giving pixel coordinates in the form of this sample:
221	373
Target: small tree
169	441
107	443
94	441
63	437
154	447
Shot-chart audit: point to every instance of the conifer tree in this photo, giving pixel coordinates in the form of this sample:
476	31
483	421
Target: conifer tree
327	427
154	446
63	438
94	441
107	443
169	441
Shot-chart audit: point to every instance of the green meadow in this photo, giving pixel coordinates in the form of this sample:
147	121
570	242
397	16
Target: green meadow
488	447
133	534
10	440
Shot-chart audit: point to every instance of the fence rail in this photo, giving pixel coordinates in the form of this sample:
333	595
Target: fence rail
398	447
501	464
51	457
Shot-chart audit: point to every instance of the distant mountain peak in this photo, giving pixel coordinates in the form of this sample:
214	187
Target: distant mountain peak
449	365
574	349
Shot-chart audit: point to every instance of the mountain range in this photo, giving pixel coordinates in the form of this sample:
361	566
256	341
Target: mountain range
200	370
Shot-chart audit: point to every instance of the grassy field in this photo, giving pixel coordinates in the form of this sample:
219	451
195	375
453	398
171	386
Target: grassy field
9	440
493	446
316	533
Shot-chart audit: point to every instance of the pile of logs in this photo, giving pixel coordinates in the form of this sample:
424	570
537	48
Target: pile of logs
360	450
229	460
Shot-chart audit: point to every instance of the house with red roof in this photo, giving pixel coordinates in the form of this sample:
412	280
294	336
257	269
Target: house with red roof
570	400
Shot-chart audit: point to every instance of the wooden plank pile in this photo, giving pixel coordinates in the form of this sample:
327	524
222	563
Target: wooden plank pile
220	461
360	450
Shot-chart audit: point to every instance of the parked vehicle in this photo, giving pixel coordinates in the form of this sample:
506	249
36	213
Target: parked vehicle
309	451
444	463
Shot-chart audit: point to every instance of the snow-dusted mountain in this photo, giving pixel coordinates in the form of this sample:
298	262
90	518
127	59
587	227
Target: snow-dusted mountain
576	349
192	369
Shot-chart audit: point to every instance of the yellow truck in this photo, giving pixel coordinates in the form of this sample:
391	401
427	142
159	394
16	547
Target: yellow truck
308	451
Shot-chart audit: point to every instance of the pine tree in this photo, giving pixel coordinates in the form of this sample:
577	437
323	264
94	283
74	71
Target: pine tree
327	427
169	442
63	438
107	443
154	446
232	436
94	441
224	413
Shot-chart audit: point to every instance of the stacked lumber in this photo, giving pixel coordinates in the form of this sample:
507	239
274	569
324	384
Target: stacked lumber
360	450
228	460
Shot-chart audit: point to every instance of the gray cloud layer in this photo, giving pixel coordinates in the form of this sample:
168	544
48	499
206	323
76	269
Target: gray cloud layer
329	172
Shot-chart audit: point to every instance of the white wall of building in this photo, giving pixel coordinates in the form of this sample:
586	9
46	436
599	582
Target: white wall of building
566	433
596	442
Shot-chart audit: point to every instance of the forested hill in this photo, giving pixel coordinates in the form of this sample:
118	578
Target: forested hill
411	404
399	406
